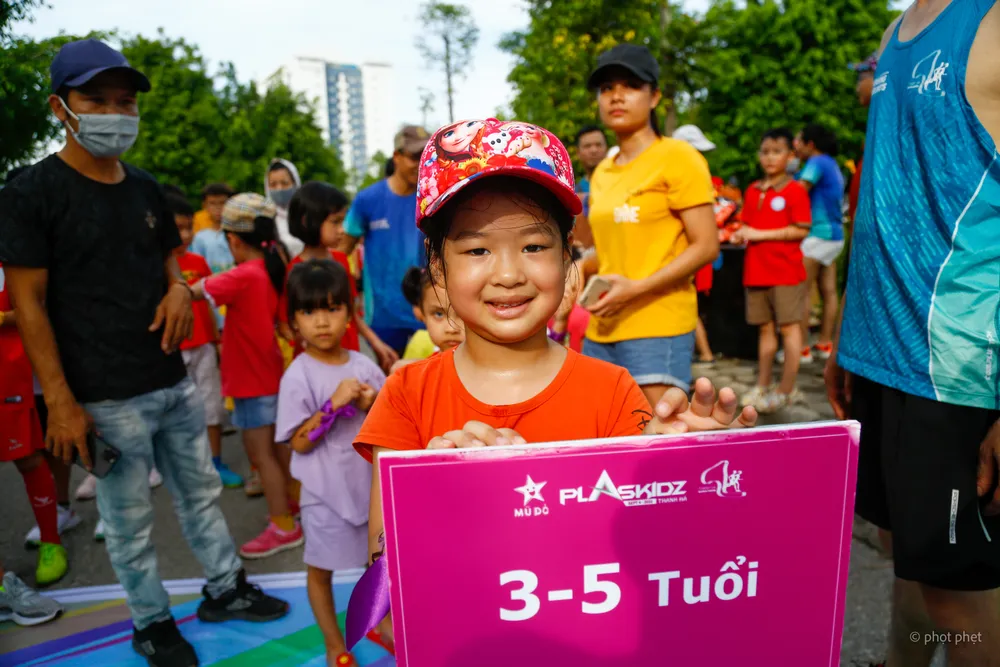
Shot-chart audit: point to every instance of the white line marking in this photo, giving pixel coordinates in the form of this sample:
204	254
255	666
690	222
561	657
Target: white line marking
555	596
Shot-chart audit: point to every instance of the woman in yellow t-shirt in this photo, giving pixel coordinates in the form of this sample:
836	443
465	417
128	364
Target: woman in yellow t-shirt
653	224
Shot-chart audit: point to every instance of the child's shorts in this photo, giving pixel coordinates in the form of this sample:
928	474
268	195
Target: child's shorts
331	542
255	412
20	432
783	304
823	251
203	366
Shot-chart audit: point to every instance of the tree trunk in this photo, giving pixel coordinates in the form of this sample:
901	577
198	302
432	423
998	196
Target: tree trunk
448	77
670	90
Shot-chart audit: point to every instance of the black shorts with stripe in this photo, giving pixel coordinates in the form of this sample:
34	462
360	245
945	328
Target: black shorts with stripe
917	478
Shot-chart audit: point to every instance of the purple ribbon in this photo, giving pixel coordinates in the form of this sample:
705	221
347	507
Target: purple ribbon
369	602
329	416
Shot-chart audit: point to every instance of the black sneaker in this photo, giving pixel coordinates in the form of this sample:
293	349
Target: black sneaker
162	645
245	602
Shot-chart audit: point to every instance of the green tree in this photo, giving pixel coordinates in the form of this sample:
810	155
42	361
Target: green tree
197	128
557	52
447	40
274	124
180	118
376	170
26	123
785	64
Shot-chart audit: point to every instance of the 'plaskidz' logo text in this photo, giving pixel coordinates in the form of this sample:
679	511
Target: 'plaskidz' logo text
630	495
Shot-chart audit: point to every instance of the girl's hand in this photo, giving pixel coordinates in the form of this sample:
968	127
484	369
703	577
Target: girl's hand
673	414
386	355
348	391
367	397
622	293
476	434
749	233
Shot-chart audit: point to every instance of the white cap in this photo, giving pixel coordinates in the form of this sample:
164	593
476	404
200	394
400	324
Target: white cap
695	137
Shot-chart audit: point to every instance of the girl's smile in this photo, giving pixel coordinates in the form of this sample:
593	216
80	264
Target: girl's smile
505	267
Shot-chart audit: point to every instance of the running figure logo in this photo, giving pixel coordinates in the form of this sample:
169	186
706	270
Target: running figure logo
928	75
720	481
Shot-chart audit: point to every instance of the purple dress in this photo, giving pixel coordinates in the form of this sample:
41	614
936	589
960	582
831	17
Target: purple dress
336	481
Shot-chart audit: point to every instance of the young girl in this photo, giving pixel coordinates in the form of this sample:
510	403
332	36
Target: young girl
500	244
316	217
324	396
251	361
431	306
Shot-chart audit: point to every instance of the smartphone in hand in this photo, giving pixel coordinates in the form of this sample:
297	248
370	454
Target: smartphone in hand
102	456
595	289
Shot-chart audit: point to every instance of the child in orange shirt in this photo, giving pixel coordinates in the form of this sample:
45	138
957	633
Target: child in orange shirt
498	243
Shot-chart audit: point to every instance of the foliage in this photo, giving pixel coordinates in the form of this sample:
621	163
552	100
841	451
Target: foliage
12	11
737	70
784	64
25	119
376	170
446	41
192	132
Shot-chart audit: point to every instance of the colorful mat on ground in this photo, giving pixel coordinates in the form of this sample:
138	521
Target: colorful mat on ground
96	630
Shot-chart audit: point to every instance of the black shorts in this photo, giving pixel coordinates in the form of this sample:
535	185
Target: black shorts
917	478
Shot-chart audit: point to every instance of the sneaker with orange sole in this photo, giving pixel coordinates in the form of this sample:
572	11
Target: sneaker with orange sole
272	541
823	350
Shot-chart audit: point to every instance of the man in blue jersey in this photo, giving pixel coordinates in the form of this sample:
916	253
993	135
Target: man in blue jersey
918	355
384	215
816	147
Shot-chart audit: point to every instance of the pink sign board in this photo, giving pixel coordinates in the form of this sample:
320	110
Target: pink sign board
728	548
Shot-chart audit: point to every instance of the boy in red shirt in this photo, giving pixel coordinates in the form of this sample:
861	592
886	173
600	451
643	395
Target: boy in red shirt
199	351
776	217
21	441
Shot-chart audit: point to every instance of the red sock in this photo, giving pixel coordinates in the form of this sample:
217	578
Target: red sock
41	489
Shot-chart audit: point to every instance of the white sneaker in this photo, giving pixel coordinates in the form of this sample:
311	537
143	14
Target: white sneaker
99	531
87	489
67	520
155	478
753	396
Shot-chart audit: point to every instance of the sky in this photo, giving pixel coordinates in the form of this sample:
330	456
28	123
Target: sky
259	37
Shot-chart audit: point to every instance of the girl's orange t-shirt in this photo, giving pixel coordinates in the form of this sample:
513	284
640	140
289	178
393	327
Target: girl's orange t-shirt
587	399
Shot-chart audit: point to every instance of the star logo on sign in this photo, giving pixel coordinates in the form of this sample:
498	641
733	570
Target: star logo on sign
531	490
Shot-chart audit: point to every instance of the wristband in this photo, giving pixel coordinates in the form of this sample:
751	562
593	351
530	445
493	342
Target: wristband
557	337
329	416
185	285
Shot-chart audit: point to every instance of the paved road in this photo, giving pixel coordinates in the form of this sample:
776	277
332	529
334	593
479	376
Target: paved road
868	586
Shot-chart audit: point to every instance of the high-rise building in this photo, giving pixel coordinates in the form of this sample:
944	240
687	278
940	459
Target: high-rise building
353	105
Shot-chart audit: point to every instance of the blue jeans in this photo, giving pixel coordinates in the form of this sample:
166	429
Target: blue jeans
665	360
168	427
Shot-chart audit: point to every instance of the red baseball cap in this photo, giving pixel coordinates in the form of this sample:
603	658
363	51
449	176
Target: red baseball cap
462	152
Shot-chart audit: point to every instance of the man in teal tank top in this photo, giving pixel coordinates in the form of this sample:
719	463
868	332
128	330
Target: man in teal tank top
920	337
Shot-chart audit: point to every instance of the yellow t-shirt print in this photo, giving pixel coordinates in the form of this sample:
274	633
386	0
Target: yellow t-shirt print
634	219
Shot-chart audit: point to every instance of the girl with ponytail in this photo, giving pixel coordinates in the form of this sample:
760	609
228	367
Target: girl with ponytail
252	363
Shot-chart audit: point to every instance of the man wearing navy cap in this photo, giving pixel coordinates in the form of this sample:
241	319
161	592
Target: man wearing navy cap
87	242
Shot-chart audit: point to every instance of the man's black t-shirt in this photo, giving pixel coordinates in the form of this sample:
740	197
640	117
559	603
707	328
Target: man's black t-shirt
104	248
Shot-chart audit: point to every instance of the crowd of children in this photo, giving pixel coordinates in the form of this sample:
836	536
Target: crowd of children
495	291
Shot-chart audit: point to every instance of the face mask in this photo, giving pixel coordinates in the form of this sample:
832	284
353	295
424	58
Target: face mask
282	197
104	135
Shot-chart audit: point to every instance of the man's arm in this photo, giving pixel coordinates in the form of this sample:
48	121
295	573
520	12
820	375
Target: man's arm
68	423
174	313
348	243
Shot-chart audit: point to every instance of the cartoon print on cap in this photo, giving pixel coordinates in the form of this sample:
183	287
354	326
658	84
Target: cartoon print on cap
462	151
